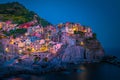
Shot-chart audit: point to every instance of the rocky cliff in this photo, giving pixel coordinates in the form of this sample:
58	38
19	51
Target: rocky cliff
78	54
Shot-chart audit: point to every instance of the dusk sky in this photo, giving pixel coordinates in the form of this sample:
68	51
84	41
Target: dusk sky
103	16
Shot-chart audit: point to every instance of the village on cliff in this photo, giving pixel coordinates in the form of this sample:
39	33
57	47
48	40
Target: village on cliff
43	39
46	42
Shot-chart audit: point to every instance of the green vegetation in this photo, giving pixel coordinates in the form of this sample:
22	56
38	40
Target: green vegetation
15	32
93	38
43	22
79	32
36	58
29	49
94	35
18	14
45	59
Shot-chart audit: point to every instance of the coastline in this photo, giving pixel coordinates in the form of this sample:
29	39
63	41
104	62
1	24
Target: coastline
6	71
35	69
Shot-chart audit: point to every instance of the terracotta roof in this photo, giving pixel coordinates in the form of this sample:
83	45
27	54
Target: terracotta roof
26	25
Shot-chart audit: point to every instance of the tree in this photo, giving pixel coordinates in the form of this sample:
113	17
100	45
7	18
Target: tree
19	14
15	32
94	36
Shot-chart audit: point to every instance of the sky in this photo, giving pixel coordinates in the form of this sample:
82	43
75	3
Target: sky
103	16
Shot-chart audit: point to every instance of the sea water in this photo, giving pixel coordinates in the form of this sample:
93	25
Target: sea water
96	71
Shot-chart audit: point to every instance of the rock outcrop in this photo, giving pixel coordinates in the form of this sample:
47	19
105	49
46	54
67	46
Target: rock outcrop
74	54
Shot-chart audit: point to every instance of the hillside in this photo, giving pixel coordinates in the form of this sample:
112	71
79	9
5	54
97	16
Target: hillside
18	14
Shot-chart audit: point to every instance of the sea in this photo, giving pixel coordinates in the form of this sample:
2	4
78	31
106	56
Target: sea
94	71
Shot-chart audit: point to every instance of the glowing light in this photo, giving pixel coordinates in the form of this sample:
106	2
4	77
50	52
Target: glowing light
85	31
26	34
7	49
43	48
20	51
1	36
0	25
32	50
81	43
12	41
74	29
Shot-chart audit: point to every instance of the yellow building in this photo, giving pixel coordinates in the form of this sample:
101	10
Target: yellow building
1	25
75	28
12	41
33	50
44	48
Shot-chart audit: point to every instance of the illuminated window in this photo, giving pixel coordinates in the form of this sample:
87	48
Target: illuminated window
7	49
81	43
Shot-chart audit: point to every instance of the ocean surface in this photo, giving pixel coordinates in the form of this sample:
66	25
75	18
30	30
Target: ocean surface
101	71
